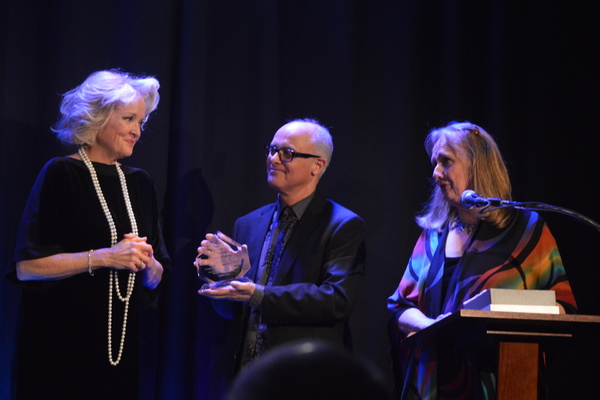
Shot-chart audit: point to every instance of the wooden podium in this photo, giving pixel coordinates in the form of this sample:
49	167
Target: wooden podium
518	337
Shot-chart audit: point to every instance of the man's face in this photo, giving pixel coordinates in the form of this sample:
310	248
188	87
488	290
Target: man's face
300	174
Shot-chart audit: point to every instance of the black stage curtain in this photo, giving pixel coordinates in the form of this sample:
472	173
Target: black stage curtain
379	73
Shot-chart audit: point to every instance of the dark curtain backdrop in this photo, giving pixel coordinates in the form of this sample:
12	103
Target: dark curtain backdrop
379	73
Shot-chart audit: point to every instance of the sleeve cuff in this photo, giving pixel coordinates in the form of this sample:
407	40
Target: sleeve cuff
257	296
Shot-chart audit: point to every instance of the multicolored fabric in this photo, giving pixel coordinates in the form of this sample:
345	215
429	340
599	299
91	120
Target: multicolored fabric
521	256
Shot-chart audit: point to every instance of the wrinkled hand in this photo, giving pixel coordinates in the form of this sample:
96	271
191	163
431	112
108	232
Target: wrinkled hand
131	253
222	254
152	269
430	321
234	290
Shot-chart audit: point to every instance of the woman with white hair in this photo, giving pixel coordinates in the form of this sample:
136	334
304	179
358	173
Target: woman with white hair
89	246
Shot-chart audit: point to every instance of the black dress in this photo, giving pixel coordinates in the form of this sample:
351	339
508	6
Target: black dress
63	333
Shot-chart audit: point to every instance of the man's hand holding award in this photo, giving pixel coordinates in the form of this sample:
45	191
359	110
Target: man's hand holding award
221	260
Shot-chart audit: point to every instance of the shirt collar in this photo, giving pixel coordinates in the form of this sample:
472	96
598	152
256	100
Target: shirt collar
299	208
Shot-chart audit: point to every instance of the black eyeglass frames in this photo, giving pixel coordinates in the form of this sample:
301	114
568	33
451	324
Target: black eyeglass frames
286	155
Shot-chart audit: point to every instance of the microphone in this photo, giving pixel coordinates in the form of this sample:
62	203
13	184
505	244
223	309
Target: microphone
470	199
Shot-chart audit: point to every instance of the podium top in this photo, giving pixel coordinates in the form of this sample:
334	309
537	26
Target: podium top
465	326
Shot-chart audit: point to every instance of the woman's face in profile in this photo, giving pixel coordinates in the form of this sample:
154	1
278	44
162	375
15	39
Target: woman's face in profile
450	172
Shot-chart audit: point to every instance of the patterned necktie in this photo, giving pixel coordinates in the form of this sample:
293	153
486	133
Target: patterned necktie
286	222
256	335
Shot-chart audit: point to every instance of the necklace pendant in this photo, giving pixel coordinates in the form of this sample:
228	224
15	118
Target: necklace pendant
460	226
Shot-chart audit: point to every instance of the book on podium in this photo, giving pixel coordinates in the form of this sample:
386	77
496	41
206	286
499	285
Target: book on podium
514	300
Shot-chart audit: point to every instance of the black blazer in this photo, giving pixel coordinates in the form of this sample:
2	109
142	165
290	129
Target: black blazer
319	277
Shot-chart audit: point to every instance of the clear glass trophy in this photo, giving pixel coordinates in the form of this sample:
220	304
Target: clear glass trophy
227	262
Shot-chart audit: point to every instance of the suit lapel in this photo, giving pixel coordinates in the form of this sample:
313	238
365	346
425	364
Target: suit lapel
255	243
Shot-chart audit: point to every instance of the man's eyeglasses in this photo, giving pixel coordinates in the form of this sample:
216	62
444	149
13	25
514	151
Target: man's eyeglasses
286	155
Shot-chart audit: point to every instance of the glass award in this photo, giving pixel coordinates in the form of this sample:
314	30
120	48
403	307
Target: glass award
227	262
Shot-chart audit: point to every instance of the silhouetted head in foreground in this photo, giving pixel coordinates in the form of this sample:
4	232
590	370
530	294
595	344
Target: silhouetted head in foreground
310	370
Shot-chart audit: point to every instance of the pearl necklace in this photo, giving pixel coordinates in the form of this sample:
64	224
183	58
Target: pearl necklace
113	277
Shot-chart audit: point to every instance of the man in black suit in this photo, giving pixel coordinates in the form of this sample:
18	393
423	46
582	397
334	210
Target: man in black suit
308	290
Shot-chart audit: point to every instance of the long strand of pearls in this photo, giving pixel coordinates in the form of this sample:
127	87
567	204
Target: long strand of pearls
113	277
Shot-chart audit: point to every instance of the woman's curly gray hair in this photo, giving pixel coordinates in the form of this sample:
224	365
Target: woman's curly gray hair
86	109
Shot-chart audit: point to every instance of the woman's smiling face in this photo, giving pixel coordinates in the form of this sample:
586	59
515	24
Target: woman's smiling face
122	131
